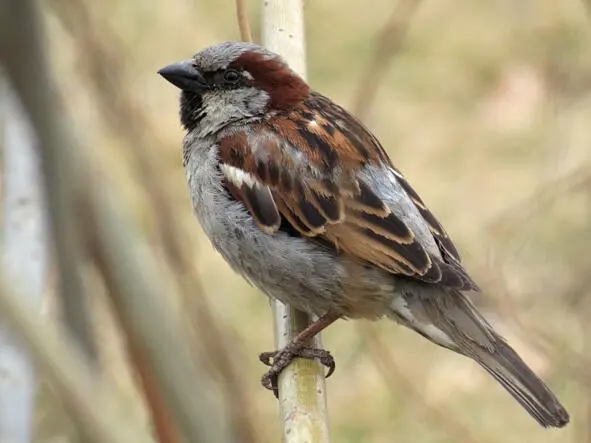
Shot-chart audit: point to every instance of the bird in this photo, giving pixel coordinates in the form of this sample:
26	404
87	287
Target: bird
302	200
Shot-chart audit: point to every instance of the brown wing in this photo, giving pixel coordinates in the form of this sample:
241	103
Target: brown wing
301	168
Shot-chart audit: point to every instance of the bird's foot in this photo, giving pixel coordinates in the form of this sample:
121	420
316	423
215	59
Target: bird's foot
279	360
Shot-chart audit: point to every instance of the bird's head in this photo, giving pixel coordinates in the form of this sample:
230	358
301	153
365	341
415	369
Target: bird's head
230	82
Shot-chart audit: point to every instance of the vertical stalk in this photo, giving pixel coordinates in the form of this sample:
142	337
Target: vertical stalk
25	260
302	396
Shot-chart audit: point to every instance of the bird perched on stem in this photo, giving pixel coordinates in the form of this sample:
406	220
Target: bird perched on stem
300	198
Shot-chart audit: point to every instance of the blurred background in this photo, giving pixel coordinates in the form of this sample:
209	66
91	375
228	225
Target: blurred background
485	107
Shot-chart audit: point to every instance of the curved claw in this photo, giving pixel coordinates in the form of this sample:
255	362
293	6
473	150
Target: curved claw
328	361
269	381
323	356
279	360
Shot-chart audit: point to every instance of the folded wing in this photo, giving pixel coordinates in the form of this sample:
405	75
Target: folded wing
302	168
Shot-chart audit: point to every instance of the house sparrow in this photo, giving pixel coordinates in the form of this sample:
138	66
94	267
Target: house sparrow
302	200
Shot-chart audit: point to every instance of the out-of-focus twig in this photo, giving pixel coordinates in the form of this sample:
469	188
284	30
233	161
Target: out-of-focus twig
132	268
162	422
100	59
25	257
547	193
243	23
93	403
389	40
153	326
390	371
301	385
164	426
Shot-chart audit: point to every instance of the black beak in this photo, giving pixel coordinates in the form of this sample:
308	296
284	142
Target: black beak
184	76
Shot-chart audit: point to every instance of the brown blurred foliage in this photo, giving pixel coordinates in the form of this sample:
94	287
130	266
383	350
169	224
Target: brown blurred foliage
485	107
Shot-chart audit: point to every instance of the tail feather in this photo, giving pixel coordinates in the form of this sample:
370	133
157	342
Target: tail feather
452	321
519	380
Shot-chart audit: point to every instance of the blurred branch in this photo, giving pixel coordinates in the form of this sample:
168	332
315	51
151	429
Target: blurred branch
545	195
100	57
25	260
140	293
162	422
91	401
390	371
301	385
131	267
243	23
57	175
389	42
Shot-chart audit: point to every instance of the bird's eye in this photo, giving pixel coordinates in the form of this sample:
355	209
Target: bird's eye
232	76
